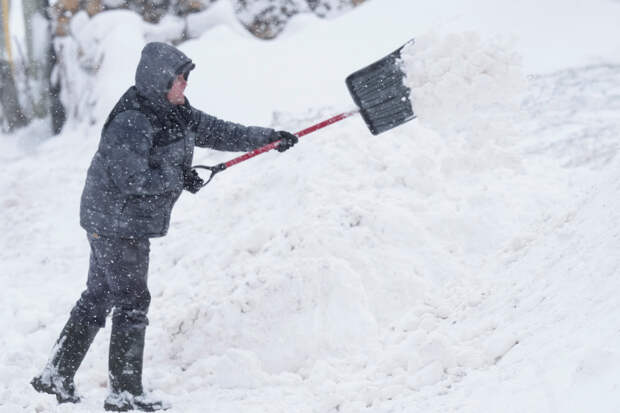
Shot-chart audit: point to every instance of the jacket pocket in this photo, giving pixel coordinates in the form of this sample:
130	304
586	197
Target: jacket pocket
145	206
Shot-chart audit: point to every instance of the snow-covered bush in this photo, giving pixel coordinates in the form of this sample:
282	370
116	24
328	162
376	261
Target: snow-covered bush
267	18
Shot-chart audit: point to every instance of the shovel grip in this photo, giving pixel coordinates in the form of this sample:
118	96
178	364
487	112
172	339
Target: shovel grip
299	134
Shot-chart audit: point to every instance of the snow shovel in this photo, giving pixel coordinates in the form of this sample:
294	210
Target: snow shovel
378	91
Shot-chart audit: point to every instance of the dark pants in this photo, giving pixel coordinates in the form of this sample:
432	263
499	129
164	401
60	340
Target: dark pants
117	278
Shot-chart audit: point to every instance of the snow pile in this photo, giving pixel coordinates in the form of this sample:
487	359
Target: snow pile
451	77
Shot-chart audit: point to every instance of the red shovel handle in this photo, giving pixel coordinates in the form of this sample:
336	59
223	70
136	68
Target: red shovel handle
220	167
299	134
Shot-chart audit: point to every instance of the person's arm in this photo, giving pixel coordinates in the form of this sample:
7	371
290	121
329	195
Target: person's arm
128	142
215	133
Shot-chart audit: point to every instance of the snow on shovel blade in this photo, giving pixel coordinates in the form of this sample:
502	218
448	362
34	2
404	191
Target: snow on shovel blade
380	93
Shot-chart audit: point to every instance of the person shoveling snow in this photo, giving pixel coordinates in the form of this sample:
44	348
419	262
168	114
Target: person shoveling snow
142	165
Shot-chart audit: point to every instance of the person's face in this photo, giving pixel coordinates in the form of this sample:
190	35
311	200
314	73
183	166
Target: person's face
175	94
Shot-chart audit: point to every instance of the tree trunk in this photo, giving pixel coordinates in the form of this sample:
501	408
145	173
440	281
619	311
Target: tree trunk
57	110
38	35
41	59
11	108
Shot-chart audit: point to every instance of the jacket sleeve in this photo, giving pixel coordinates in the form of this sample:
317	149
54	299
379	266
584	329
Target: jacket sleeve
215	133
128	144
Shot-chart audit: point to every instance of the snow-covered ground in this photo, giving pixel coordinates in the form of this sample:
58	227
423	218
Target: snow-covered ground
462	263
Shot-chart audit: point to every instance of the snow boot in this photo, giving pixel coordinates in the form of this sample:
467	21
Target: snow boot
67	355
51	383
125	364
125	401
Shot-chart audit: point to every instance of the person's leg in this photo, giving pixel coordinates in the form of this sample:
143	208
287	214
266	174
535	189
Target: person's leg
127	279
87	317
131	303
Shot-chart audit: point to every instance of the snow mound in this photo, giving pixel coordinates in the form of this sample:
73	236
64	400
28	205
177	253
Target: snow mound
359	266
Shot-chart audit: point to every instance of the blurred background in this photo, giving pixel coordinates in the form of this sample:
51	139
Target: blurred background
37	34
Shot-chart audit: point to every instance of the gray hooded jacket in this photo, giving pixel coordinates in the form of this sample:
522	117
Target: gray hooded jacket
136	175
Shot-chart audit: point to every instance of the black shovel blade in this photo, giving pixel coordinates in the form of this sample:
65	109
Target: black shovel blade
380	93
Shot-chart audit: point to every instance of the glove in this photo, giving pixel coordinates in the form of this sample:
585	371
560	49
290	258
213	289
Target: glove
286	139
192	181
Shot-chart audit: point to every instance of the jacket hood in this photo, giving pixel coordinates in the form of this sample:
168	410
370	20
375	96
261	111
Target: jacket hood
159	64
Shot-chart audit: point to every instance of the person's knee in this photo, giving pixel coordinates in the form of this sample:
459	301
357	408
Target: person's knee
132	307
129	318
135	298
92	308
